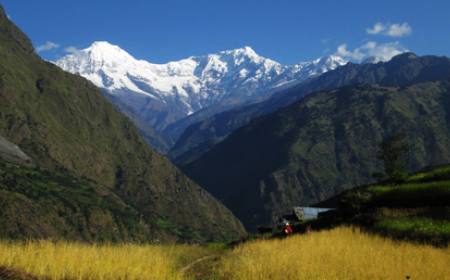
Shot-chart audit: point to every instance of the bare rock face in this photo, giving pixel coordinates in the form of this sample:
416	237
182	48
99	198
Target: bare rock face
12	153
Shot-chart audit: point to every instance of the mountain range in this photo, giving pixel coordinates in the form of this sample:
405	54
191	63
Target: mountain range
328	141
401	70
169	97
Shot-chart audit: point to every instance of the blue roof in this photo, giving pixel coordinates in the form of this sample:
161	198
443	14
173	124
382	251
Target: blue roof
313	212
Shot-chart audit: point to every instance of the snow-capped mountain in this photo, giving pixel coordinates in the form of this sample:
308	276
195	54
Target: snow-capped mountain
160	94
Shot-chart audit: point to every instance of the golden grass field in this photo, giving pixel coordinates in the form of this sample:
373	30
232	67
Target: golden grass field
63	260
342	253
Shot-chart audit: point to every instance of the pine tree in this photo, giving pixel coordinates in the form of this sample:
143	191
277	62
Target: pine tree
393	152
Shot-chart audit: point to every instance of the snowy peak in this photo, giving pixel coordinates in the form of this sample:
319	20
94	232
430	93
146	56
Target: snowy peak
104	51
189	85
99	55
234	60
107	66
330	61
105	47
324	64
245	52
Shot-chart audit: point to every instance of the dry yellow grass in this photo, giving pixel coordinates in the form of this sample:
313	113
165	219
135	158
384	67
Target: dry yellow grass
341	253
63	260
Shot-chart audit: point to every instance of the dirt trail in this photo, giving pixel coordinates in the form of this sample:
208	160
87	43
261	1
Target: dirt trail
15	274
189	266
202	268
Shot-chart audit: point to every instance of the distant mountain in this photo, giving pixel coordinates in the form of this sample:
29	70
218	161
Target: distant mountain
263	89
402	70
162	94
325	143
92	176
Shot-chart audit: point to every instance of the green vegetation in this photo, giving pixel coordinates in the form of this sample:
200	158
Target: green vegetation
65	125
37	203
425	229
393	152
437	173
417	209
415	195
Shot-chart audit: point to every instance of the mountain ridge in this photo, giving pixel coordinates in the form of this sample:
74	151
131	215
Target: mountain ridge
401	70
190	73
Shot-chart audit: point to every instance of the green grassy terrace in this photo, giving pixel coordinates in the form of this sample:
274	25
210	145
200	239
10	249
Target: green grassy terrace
416	209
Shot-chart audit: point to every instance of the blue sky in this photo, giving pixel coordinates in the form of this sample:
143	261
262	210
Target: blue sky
288	31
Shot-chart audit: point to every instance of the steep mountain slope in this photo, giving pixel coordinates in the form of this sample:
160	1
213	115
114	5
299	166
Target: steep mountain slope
65	125
154	138
162	94
322	145
402	70
41	204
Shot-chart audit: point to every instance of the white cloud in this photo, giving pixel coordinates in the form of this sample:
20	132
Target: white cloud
371	51
47	46
71	49
376	29
392	30
399	30
356	54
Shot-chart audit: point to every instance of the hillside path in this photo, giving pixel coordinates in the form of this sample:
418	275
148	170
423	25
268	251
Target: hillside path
202	268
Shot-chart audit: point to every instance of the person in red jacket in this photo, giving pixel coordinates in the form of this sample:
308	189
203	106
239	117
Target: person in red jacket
287	229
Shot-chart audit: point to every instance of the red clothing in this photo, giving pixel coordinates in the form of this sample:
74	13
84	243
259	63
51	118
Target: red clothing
288	229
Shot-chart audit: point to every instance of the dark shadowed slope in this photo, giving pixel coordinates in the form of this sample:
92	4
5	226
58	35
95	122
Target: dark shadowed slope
322	145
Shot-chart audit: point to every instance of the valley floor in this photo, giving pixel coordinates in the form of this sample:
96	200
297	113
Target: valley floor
340	253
